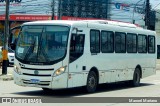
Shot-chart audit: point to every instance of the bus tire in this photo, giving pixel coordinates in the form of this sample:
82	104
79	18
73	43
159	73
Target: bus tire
136	78
92	82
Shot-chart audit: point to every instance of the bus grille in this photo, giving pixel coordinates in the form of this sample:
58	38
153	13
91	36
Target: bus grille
43	75
42	83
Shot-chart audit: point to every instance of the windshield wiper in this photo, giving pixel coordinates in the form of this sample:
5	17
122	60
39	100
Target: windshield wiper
40	48
31	48
45	54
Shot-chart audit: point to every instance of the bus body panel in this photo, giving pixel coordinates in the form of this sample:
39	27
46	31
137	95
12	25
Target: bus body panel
112	67
78	76
44	76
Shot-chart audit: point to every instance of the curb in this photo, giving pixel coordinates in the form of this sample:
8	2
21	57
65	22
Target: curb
7	77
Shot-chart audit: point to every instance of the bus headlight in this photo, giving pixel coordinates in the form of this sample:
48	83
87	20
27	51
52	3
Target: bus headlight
17	69
59	71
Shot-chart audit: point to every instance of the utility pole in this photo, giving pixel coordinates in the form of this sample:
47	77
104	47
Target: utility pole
53	4
147	15
60	10
5	43
134	8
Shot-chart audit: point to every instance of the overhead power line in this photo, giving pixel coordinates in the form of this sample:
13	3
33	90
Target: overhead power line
156	6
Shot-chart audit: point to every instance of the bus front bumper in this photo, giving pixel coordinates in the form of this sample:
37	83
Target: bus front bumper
58	82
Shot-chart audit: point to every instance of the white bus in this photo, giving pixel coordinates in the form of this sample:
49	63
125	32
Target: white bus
66	54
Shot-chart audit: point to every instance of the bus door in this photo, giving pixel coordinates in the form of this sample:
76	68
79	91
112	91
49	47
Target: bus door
76	60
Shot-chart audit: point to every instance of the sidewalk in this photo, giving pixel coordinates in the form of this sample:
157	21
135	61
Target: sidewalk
158	65
9	75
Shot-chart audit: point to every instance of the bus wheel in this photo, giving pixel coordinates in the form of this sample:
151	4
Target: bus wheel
136	78
92	82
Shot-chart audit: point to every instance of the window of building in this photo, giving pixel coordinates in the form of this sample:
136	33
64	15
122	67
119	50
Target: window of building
120	42
151	44
131	43
107	42
142	43
95	41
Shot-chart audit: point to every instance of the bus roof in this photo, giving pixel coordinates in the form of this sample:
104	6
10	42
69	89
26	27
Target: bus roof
70	22
86	23
50	22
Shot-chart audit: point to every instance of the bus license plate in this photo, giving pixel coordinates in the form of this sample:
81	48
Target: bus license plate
34	81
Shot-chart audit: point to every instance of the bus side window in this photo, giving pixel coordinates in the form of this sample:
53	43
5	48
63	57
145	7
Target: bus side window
158	51
151	44
142	43
120	42
76	46
107	42
131	43
95	41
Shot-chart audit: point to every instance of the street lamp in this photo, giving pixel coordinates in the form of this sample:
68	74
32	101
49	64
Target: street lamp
133	21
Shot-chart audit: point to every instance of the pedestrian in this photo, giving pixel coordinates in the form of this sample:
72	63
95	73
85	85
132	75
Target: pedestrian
1	58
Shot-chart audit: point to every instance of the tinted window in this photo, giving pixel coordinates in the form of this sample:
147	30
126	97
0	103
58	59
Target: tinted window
151	44
76	46
142	44
158	51
120	42
131	43
94	41
107	41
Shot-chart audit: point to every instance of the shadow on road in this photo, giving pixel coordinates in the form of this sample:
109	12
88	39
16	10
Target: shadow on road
80	91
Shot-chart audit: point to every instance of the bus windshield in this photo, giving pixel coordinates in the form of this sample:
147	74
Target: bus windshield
42	44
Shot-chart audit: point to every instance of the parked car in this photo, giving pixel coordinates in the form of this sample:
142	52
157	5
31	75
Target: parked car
10	56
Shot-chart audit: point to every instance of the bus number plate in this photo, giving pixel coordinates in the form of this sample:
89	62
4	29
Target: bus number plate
34	81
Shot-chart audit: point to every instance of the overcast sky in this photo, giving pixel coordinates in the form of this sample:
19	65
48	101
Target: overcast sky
155	4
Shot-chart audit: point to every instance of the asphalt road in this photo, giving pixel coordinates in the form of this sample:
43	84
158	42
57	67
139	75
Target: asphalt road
150	87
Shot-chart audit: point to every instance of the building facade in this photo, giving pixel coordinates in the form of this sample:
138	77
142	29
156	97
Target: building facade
31	10
23	11
131	11
82	8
